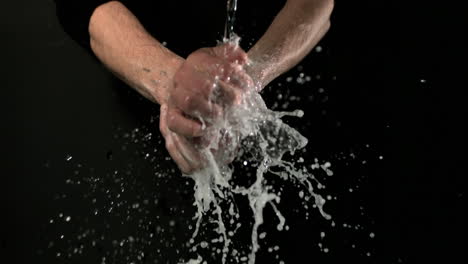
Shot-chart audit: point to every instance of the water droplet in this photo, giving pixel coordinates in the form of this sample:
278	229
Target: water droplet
301	194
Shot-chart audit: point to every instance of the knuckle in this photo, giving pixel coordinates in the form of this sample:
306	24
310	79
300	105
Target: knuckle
209	86
171	124
169	145
185	102
199	55
187	170
191	105
229	69
194	130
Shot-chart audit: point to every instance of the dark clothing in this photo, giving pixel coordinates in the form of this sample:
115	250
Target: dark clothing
184	25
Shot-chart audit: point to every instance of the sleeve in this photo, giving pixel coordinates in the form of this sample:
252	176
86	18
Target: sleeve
74	17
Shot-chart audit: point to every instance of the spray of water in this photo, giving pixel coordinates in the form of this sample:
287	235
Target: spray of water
251	131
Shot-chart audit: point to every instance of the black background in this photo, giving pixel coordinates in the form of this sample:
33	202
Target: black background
59	101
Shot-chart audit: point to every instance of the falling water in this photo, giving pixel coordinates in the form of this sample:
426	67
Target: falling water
230	19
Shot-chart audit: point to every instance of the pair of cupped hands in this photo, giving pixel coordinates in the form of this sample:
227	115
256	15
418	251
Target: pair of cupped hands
209	82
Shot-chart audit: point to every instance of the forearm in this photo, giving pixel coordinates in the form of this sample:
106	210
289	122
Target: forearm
293	33
123	45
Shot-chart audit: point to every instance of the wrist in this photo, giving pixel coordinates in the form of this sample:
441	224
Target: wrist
258	72
160	80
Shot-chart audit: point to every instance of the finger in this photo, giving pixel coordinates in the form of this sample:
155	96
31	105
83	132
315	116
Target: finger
210	66
170	146
195	105
227	94
232	53
187	150
192	91
162	120
231	73
195	79
176	154
240	79
182	125
218	62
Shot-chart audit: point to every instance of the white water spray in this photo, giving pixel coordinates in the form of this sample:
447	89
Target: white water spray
247	129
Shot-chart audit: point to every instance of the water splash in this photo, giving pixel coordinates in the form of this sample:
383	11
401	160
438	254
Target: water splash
251	131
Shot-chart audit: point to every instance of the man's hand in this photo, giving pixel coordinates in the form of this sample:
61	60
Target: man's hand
196	91
183	152
207	83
